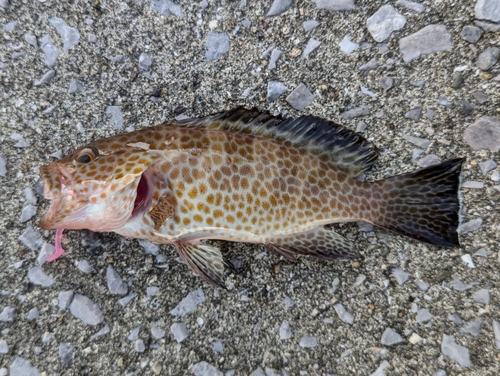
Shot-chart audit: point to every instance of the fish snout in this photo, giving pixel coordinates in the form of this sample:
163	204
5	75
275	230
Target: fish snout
45	223
53	179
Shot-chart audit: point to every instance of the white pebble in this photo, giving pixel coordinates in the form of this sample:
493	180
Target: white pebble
470	226
127	299
414	338
116	119
103	331
27	213
487	166
22	366
218	346
391	337
308	342
152	291
116	284
3	165
134	334
8	314
423	315
360	278
429	160
217	44
167	8
38	277
473	184
422	285
289	303
343	314
458	353
496	331
346	46
309	25
139	346
275	55
32	314
481	296
86	310
206	369
400	275
149	248
158	333
179	331
145	61
4	348
85	267
380	370
312	44
300	97
430	39
472	327
64	298
189	303
411	5
69	35
285	331
420	142
468	260
384	21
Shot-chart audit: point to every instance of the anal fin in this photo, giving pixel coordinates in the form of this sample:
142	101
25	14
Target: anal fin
204	260
319	242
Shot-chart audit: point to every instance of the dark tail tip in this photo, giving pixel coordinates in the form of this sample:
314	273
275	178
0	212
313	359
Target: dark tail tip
424	204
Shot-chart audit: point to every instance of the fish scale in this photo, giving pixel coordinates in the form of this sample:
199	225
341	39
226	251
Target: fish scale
256	195
244	176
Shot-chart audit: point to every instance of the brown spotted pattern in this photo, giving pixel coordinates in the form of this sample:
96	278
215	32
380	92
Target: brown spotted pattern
182	183
240	187
215	181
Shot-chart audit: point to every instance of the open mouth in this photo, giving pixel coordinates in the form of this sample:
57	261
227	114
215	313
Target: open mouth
143	196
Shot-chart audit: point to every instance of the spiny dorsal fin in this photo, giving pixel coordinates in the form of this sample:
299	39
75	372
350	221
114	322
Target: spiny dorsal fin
330	141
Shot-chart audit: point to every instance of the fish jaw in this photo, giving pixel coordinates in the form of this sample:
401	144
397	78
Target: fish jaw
99	211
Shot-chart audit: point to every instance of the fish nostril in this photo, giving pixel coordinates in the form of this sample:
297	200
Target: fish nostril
39	187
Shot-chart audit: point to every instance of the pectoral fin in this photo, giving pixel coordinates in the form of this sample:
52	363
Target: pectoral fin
204	260
319	242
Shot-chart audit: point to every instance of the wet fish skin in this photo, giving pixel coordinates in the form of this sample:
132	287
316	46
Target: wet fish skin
246	176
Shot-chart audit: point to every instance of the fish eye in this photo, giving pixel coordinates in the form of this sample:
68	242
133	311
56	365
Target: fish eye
87	155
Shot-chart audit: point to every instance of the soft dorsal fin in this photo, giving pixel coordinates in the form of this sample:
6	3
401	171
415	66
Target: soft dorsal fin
330	141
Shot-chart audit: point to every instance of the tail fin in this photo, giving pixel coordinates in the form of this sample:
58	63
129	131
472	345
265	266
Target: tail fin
424	204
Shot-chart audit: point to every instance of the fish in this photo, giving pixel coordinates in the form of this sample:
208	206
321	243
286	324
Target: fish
244	175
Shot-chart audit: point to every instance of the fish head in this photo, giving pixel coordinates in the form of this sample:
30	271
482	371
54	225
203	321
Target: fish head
98	187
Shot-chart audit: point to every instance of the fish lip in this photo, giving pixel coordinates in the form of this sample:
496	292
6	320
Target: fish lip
56	181
46	224
45	177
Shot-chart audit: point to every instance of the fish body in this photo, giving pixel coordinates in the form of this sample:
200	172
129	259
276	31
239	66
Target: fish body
244	176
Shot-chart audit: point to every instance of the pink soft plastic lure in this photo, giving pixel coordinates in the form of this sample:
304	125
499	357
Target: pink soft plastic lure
59	249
